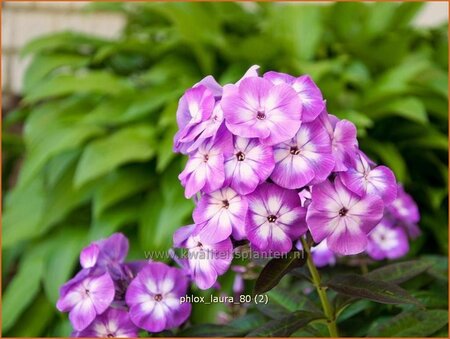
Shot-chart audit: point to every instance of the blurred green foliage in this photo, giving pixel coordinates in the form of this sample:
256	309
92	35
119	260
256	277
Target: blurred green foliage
98	120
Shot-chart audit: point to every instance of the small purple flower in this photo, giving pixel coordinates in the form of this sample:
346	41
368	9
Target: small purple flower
206	259
85	296
256	108
194	108
113	323
362	179
220	214
205	168
154	298
305	159
106	254
251	164
341	217
322	255
210	83
406	211
343	139
275	218
387	241
310	95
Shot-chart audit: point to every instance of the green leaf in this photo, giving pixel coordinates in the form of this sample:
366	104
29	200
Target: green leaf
438	266
23	209
120	185
277	268
131	144
63	41
113	219
283	301
398	273
286	326
35	325
395	81
43	65
23	288
63	259
409	108
248	322
164	210
297	28
415	323
354	285
100	82
390	155
405	13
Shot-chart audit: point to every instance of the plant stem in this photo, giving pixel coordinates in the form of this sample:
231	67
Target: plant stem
328	311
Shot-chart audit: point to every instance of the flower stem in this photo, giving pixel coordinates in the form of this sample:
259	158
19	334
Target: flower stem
328	311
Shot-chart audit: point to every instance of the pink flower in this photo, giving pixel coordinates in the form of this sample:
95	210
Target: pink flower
341	217
154	298
308	92
251	164
256	108
305	159
220	214
275	218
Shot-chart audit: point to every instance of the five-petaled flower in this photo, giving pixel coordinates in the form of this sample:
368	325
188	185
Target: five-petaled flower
341	217
154	298
275	218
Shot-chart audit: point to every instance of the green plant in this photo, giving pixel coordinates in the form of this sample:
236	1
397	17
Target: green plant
99	117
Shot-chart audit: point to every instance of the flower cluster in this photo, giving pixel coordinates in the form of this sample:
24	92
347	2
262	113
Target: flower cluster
267	163
113	298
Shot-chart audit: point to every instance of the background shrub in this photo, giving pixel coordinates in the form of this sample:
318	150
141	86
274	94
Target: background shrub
98	117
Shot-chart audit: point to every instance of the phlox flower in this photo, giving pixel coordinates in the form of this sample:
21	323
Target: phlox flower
206	260
387	241
308	92
85	296
341	217
250	164
256	108
113	323
406	211
106	254
154	298
361	178
305	159
220	214
343	139
205	167
275	218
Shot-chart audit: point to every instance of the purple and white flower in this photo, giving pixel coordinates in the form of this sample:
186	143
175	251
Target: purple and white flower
322	255
406	211
195	107
154	298
310	95
343	139
113	323
275	218
387	241
206	260
205	168
256	108
85	296
341	217
220	214
305	159
251	164
106	254
362	179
